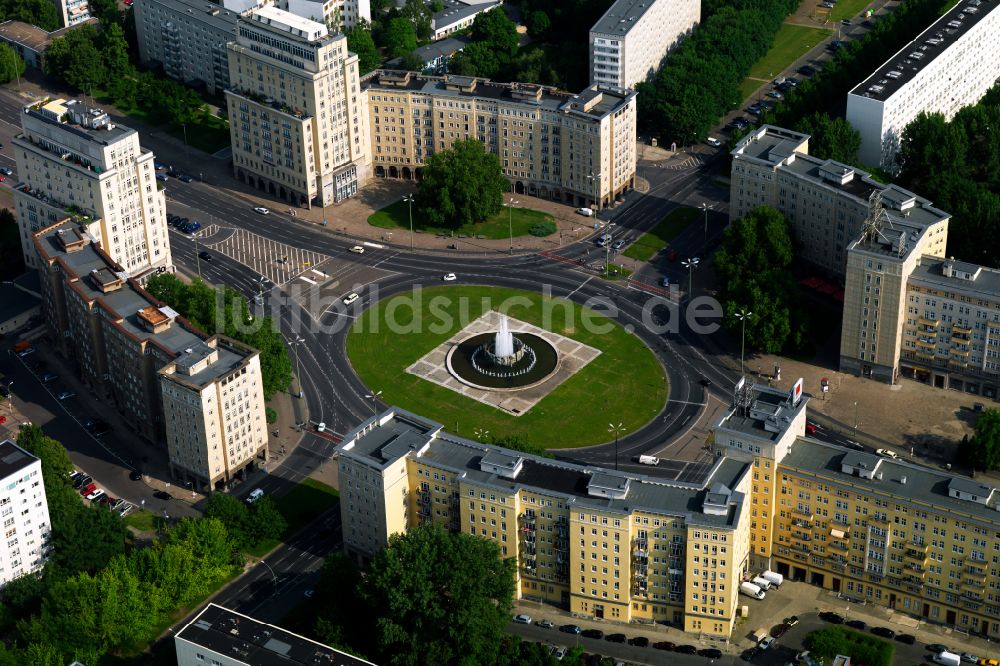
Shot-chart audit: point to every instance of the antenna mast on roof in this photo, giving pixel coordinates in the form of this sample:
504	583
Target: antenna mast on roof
877	217
743	396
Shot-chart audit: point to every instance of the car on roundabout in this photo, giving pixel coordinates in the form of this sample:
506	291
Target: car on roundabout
357	249
351	298
261	210
449	277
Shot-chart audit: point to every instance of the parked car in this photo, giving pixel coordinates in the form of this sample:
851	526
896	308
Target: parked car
81	481
807	70
884	632
617	245
27	351
969	658
162	494
616	638
592	633
125	509
856	624
570	629
518	619
710	653
665	645
184	178
935	648
906	639
49	377
712	141
96	494
766	643
7	171
639	641
832	618
545	624
686	649
775	94
791	621
886	453
87	489
135	475
65	395
780	630
162	177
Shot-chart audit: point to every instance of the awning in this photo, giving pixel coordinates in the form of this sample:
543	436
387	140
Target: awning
837	534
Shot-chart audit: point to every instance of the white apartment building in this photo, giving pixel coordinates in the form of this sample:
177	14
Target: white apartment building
337	15
73	12
213	410
72	160
297	117
579	149
218	636
200	395
629	42
458	15
949	65
825	202
187	38
24	512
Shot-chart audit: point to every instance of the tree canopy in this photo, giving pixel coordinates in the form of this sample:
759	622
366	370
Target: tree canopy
400	37
11	65
359	40
753	267
36	12
224	311
444	598
831	138
982	451
462	185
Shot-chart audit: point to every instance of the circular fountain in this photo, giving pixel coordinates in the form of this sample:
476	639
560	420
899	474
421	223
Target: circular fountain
502	360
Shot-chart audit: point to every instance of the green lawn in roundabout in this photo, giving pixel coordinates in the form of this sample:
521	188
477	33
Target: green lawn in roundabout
624	384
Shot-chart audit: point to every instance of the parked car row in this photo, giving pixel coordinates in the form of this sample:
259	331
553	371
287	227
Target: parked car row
636	641
89	491
183	223
883	632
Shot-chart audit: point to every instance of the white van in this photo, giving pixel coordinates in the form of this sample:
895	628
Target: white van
254	496
776	579
649	460
751	590
762	583
586	212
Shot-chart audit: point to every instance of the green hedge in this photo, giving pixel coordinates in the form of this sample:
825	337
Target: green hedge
861	648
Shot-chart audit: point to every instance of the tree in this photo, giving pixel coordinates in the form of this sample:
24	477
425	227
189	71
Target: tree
443	597
412	62
462	185
233	514
75	59
497	31
11	65
538	24
35	12
418	14
264	521
56	465
476	59
831	138
753	269
931	147
982	451
400	37
359	40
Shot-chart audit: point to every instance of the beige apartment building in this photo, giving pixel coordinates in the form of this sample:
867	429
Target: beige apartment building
297	116
825	202
73	160
199	395
630	547
578	149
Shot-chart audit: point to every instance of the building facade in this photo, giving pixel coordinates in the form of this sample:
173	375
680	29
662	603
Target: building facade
218	636
199	395
336	15
628	44
579	149
73	160
24	512
297	117
634	548
826	203
187	38
949	65
73	12
458	15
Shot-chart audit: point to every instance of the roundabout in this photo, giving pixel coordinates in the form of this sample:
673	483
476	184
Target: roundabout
507	362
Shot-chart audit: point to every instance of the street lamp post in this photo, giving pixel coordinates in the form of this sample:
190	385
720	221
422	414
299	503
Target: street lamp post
373	396
705	208
743	315
617	430
855	420
298	377
595	178
10	398
691	264
197	253
409	200
510	222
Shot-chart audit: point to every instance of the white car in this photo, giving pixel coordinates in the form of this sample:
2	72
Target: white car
712	141
886	453
95	495
546	624
586	212
450	277
522	619
357	249
969	658
766	643
261	210
350	298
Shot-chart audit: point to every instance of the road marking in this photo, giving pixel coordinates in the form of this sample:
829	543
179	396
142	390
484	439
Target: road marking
320	273
374	245
687	402
582	284
305	279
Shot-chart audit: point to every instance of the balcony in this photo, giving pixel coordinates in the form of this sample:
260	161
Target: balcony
960	330
805	524
930	323
802	538
269	102
926	344
840	534
807	515
972	585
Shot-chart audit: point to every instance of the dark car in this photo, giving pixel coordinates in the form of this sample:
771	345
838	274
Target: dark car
615	638
884	632
779	630
807	70
592	633
791	621
135	475
639	641
856	624
164	495
906	639
205	256
81	481
686	649
665	645
835	45
832	618
184	178
748	655
570	629
710	653
937	648
49	377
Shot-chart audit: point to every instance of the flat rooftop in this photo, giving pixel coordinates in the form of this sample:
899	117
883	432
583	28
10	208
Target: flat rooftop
13	458
397	433
907	63
57	113
768	414
972	279
208	13
456	10
903	480
622	16
290	23
25	34
241	638
779	148
594	102
130	305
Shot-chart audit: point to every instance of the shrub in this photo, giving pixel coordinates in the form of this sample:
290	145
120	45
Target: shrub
546	228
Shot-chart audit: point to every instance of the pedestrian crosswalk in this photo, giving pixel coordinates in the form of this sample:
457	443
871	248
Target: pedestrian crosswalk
278	262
